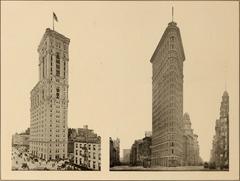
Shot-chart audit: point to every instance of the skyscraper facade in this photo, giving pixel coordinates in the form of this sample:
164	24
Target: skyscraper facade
49	99
167	99
116	144
190	143
220	144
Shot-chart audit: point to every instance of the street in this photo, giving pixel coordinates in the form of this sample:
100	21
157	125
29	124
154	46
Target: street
22	160
141	168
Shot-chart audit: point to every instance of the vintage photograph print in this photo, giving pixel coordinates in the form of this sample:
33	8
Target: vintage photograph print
119	90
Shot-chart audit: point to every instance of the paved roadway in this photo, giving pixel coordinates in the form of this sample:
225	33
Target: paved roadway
140	168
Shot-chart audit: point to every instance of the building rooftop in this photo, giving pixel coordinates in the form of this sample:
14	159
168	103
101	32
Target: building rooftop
55	34
172	26
225	94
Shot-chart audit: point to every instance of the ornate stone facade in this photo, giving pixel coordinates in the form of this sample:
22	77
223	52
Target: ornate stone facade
167	99
49	99
190	143
220	144
141	152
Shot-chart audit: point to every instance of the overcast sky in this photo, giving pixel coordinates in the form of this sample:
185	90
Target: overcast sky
110	86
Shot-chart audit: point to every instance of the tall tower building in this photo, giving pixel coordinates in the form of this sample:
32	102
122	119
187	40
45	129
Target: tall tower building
190	143
220	146
49	99
167	99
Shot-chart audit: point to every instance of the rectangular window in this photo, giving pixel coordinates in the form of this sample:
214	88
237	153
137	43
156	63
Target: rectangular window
57	64
51	66
64	69
58	73
43	66
57	93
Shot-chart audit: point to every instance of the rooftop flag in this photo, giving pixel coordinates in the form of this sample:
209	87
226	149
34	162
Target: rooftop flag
54	18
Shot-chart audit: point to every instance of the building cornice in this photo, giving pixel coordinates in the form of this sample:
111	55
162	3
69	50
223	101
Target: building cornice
52	33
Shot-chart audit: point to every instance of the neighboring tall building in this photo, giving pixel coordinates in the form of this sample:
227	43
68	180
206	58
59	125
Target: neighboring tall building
167	99
135	153
116	145
196	151
114	149
112	152
49	99
140	153
187	141
220	144
190	143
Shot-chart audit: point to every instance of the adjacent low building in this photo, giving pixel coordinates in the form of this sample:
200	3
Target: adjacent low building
21	139
140	153
87	149
72	135
88	154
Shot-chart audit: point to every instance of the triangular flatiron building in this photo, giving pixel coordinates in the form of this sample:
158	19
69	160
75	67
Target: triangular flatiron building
167	99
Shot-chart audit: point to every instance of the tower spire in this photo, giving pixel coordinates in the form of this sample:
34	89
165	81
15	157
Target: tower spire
172	13
225	76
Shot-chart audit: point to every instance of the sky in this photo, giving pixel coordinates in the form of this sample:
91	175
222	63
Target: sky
110	85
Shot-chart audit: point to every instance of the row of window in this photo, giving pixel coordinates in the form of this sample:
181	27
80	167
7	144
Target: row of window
81	161
82	145
57	68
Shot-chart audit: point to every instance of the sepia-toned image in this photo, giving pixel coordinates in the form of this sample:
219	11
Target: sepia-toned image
49	144
125	90
172	143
